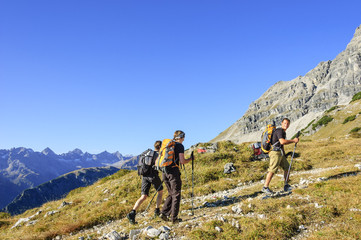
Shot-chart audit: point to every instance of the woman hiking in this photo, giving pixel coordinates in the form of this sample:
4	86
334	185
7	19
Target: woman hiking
173	182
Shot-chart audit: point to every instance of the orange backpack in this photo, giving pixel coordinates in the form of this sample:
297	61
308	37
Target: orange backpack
166	155
266	138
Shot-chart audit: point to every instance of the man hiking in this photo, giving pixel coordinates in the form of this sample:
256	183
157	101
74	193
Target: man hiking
173	182
148	179
277	154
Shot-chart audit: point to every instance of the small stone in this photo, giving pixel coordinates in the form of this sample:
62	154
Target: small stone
164	236
114	235
164	229
302	227
218	229
134	233
152	232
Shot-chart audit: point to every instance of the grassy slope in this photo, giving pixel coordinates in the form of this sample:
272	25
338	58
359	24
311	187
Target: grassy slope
111	198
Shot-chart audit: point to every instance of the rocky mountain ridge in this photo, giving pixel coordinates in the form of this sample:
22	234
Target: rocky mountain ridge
57	188
304	98
22	168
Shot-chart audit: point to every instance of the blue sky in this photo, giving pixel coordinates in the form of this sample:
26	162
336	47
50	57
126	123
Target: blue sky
118	75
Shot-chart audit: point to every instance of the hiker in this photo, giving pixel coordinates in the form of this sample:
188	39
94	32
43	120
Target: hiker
277	155
173	182
148	179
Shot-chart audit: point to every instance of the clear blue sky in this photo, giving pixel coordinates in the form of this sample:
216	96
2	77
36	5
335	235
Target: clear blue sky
117	75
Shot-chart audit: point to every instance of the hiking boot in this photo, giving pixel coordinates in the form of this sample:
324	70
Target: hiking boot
131	217
266	190
156	212
164	217
287	188
177	220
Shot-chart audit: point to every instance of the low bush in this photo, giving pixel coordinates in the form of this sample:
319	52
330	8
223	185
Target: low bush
355	130
331	109
322	122
349	119
355	97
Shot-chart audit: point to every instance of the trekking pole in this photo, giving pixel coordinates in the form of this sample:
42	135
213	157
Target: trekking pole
192	180
161	184
293	154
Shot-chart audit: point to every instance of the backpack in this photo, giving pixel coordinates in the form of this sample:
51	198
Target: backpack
145	163
266	138
166	155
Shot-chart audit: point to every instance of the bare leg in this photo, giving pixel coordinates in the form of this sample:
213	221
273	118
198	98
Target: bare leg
139	202
268	179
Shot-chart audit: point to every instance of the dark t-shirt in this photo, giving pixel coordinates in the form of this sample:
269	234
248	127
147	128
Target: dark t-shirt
178	148
277	134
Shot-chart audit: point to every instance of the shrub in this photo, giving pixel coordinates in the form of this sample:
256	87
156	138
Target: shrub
355	97
355	130
331	109
349	119
322	122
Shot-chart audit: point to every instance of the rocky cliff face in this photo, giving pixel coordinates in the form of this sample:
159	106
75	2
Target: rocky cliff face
303	98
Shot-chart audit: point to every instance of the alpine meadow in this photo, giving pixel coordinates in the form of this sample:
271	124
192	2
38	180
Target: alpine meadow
324	105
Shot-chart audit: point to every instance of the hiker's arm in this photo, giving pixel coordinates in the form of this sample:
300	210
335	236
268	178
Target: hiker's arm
183	160
285	141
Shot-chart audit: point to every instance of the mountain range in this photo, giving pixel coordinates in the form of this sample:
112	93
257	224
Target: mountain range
304	98
22	168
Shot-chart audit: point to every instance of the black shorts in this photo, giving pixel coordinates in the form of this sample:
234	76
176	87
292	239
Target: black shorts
148	181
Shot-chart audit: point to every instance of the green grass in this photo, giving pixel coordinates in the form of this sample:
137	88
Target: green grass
331	109
322	122
355	97
349	119
355	130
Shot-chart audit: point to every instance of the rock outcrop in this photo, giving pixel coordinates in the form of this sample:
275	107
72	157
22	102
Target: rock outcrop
303	98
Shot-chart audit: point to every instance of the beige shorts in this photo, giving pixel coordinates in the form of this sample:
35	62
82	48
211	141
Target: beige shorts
277	160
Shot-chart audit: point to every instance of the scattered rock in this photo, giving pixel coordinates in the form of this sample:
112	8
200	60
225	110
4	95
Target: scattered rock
218	229
229	168
355	210
164	229
134	233
318	206
302	227
164	236
50	213
63	204
237	209
152	232
113	235
24	220
358	166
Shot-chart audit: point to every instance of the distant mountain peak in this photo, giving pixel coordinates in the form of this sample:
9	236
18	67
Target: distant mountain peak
48	151
77	151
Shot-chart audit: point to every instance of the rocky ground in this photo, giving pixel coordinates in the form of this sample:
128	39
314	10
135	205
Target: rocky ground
220	206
